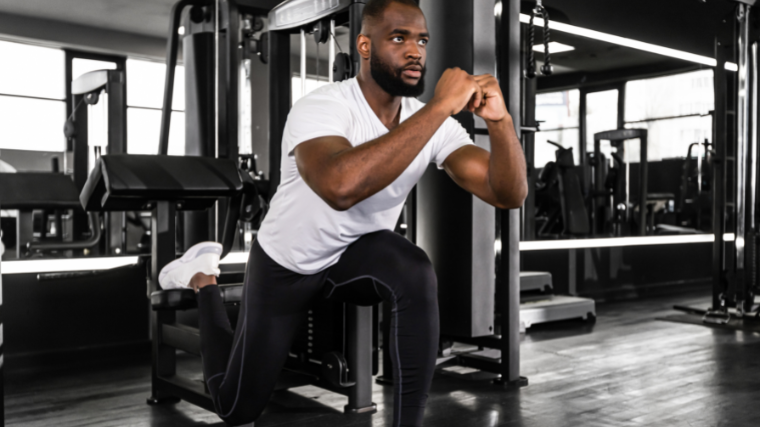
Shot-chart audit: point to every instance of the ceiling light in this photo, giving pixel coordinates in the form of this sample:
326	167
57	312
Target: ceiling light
622	41
554	47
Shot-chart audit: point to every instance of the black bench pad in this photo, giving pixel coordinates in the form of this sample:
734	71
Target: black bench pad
184	299
33	190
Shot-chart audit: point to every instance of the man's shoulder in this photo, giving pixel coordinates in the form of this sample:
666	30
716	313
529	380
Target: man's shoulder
338	91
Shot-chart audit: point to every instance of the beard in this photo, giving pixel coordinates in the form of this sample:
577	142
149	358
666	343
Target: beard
390	80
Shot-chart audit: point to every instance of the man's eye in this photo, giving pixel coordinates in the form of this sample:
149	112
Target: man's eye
423	42
398	39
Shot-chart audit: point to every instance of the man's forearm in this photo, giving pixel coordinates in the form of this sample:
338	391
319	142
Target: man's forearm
368	168
507	174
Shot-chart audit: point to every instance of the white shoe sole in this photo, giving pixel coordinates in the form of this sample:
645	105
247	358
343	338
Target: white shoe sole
201	258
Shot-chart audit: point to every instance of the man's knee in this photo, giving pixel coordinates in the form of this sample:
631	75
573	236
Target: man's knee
419	278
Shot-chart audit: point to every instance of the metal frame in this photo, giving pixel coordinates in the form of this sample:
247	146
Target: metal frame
79	147
509	73
735	140
599	176
735	170
358	329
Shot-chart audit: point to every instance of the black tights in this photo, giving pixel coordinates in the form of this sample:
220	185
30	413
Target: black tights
241	367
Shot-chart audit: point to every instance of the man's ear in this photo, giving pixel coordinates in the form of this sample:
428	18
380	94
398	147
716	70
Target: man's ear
363	46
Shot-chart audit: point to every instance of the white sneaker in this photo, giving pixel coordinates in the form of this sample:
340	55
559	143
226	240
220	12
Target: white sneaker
201	258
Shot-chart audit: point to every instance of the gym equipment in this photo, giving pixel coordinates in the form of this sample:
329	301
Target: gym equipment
345	332
735	170
694	206
474	247
49	193
611	199
163	185
38	196
560	205
357	339
538	304
546	69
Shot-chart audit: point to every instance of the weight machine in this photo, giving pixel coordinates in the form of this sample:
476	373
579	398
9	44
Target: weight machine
736	213
337	349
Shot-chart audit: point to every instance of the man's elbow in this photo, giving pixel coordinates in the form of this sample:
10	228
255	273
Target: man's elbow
339	199
340	205
515	198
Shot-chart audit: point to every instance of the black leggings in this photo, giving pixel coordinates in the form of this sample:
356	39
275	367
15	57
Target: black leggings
241	367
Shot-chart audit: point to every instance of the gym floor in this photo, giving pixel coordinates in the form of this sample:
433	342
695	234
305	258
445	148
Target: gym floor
627	370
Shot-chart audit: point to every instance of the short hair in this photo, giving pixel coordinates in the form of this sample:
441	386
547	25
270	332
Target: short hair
374	9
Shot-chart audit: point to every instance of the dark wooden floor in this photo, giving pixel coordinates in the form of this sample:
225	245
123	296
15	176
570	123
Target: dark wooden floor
627	370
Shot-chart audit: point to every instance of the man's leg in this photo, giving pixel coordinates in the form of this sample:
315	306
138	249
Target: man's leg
241	369
385	266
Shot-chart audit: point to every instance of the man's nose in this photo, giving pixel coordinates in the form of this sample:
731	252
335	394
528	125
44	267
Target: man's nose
414	52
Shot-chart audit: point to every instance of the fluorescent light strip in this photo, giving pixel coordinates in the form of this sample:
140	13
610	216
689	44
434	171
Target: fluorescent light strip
235	258
614	242
65	265
554	47
622	41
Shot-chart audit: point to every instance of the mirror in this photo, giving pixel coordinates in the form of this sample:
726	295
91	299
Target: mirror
585	187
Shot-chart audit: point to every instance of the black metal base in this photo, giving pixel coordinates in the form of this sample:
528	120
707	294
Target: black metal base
383	380
520	383
162	400
368	410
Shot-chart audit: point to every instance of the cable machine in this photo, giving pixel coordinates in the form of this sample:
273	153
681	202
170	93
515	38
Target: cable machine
736	217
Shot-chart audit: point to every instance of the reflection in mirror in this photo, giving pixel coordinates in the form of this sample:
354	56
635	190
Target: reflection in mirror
600	83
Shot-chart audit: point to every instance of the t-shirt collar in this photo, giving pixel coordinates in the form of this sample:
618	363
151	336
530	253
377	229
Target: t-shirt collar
404	109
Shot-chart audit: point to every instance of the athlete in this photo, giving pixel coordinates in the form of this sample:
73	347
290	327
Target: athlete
352	153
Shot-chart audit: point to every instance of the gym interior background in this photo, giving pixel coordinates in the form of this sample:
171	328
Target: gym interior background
621	294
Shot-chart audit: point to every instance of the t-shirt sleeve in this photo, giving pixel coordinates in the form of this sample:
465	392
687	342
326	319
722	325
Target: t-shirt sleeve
315	116
453	136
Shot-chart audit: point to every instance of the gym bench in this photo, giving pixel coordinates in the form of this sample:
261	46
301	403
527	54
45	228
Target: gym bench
167	184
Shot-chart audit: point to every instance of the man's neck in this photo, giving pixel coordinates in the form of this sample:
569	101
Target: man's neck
387	108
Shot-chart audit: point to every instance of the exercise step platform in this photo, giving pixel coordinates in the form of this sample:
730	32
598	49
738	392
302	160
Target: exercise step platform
559	307
536	281
184	299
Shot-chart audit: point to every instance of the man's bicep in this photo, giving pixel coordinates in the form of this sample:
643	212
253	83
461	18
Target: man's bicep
468	167
314	155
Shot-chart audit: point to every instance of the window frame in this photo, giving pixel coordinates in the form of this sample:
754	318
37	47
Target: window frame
71	55
43	98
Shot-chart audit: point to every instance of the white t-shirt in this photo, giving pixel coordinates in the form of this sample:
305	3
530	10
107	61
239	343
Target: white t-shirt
302	232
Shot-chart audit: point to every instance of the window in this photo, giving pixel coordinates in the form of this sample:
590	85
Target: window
674	109
601	116
559	113
312	82
32	98
145	97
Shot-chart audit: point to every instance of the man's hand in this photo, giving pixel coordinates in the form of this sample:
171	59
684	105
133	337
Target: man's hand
492	107
457	90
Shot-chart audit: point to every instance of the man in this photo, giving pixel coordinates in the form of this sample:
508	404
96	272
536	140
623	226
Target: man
353	152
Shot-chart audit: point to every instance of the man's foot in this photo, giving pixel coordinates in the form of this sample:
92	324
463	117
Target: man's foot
200	281
202	258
